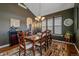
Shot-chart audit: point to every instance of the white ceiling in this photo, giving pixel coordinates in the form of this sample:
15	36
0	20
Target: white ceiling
47	8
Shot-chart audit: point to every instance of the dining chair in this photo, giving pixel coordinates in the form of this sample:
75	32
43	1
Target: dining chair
49	38
41	43
23	45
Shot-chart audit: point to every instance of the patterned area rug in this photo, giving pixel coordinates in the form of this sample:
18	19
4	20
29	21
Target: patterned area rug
59	48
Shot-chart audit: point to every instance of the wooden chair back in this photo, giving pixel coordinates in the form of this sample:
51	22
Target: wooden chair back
22	46
43	37
49	38
42	42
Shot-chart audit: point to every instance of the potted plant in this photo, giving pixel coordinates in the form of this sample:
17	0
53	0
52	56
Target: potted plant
67	36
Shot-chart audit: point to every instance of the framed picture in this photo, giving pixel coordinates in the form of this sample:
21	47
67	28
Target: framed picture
14	22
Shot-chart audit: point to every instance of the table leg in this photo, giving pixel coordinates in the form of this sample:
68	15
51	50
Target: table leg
33	48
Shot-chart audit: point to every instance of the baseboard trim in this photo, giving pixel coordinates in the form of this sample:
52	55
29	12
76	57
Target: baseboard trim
4	45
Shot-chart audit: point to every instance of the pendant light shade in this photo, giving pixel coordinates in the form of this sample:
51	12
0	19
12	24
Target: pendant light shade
39	18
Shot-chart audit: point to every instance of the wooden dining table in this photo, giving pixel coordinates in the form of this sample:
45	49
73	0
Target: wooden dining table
33	39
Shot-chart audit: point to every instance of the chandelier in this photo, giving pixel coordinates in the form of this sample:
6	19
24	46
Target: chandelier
39	17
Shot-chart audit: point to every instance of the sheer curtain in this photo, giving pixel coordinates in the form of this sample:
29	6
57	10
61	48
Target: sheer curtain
50	24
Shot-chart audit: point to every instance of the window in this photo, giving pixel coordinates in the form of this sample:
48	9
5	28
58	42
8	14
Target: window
43	25
15	22
50	24
53	24
58	25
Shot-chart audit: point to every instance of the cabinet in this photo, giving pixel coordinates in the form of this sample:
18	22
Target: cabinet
13	39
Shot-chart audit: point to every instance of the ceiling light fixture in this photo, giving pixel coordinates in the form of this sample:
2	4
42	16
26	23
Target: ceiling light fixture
39	18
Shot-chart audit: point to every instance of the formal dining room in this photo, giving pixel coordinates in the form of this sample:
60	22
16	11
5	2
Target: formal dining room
39	29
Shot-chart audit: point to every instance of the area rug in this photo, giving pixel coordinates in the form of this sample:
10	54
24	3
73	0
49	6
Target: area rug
57	49
61	48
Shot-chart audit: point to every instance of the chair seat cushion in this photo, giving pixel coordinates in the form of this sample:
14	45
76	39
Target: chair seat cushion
28	45
38	44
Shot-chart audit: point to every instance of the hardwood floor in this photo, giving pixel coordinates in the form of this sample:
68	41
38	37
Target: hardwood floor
8	51
8	48
71	50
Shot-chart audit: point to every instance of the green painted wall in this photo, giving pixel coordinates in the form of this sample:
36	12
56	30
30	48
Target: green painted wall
69	13
8	11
